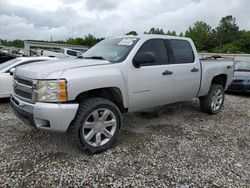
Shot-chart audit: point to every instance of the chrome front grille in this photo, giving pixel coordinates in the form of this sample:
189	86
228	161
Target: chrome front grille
23	89
23	81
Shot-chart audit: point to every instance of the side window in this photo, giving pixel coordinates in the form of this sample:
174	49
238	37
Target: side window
182	51
157	47
72	53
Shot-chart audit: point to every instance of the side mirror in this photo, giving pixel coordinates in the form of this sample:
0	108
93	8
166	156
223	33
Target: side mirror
12	71
143	59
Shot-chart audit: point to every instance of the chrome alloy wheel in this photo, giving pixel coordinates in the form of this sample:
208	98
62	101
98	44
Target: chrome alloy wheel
99	127
217	100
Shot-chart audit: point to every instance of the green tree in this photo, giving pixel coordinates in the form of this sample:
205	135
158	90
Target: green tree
15	43
228	48
88	40
172	33
76	41
132	33
227	31
200	33
244	41
181	34
155	31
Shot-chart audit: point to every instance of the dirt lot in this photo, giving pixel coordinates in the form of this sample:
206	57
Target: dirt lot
172	146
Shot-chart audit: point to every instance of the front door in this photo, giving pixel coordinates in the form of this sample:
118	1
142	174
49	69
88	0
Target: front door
151	84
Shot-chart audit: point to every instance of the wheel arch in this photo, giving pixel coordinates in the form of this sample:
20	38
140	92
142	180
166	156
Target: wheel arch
220	79
113	94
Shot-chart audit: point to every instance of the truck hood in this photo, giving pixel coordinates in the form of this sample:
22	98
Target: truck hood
54	69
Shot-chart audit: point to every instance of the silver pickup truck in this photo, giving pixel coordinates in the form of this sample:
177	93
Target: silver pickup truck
86	97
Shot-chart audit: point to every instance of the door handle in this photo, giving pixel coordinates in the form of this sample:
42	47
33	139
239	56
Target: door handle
194	70
229	67
167	72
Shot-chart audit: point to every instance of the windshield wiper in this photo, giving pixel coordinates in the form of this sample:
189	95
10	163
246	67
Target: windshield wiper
94	57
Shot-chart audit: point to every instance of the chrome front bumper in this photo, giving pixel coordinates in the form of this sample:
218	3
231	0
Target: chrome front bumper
44	116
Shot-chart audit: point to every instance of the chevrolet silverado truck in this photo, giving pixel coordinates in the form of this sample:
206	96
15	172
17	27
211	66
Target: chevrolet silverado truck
85	97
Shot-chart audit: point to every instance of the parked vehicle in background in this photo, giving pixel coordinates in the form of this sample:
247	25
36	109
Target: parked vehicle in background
70	52
6	72
48	53
17	52
4	58
63	53
241	80
3	51
86	96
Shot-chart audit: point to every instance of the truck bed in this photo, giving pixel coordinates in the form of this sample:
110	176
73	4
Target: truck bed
215	67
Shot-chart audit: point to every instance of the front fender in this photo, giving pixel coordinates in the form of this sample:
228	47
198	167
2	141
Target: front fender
88	78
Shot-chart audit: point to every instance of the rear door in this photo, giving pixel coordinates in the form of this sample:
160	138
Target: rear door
151	84
187	73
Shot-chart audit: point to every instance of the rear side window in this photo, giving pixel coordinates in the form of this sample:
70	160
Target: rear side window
182	51
157	47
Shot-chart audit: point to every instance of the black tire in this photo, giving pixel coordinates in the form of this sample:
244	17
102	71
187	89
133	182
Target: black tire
86	108
206	101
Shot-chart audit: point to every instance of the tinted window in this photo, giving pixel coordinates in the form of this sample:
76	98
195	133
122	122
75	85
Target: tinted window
157	47
182	51
72	53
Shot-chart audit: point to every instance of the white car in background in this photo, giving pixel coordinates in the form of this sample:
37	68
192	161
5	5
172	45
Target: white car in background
63	53
3	51
70	52
6	72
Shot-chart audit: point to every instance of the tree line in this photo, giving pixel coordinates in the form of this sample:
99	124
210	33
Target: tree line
225	38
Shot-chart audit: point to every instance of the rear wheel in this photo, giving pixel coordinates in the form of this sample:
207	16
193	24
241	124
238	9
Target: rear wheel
214	100
96	125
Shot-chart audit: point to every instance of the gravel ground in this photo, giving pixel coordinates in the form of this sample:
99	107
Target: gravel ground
171	146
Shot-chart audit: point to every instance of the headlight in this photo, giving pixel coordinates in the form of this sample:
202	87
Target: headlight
51	91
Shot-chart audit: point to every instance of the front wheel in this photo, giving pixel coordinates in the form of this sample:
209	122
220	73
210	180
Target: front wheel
96	125
214	100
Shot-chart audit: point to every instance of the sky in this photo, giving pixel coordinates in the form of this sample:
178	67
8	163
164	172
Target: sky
62	19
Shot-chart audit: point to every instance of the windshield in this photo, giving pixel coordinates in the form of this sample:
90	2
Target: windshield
113	50
242	66
8	63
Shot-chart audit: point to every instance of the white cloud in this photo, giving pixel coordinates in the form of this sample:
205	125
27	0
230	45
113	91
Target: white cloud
41	19
21	29
102	5
37	4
